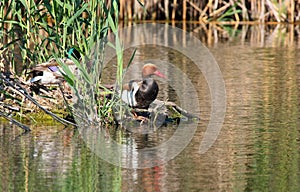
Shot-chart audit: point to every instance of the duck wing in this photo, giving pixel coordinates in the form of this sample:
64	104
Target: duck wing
129	92
146	93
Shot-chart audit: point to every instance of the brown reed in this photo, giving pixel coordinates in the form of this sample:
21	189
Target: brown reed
212	10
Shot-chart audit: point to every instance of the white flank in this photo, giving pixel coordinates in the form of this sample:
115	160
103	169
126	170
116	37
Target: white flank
35	79
129	96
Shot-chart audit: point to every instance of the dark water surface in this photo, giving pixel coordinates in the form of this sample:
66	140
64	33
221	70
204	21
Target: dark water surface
256	150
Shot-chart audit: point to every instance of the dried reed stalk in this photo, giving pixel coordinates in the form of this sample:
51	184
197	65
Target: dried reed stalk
220	10
174	9
240	10
184	10
273	9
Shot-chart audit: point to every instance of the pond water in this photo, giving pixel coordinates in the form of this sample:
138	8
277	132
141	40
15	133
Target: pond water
257	148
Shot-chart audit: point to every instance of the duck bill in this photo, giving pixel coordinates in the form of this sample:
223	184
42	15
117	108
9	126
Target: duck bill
158	73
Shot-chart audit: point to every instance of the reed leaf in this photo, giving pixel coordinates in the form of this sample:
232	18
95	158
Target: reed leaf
230	12
76	15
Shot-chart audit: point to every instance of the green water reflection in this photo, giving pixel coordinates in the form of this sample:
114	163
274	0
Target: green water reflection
276	157
52	160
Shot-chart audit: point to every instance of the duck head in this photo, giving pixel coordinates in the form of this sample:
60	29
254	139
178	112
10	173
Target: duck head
151	69
73	52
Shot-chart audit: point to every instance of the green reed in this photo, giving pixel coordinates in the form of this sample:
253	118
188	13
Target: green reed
32	33
35	32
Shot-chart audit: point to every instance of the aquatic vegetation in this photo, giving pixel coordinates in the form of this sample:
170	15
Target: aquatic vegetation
45	32
33	32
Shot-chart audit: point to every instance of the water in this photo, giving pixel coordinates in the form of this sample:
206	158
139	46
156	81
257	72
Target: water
256	150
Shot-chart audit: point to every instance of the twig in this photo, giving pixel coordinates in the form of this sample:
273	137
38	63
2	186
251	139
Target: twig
27	95
159	104
24	127
181	111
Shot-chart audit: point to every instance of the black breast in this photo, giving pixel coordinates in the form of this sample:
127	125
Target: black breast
147	93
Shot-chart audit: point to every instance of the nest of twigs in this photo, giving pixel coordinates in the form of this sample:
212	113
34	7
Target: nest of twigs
17	96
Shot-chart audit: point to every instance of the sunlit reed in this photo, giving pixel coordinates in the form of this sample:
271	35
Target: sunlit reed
212	10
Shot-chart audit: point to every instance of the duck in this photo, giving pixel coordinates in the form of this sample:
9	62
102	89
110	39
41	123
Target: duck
141	93
50	71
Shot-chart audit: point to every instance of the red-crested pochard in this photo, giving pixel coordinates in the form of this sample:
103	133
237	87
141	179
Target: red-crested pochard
140	94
